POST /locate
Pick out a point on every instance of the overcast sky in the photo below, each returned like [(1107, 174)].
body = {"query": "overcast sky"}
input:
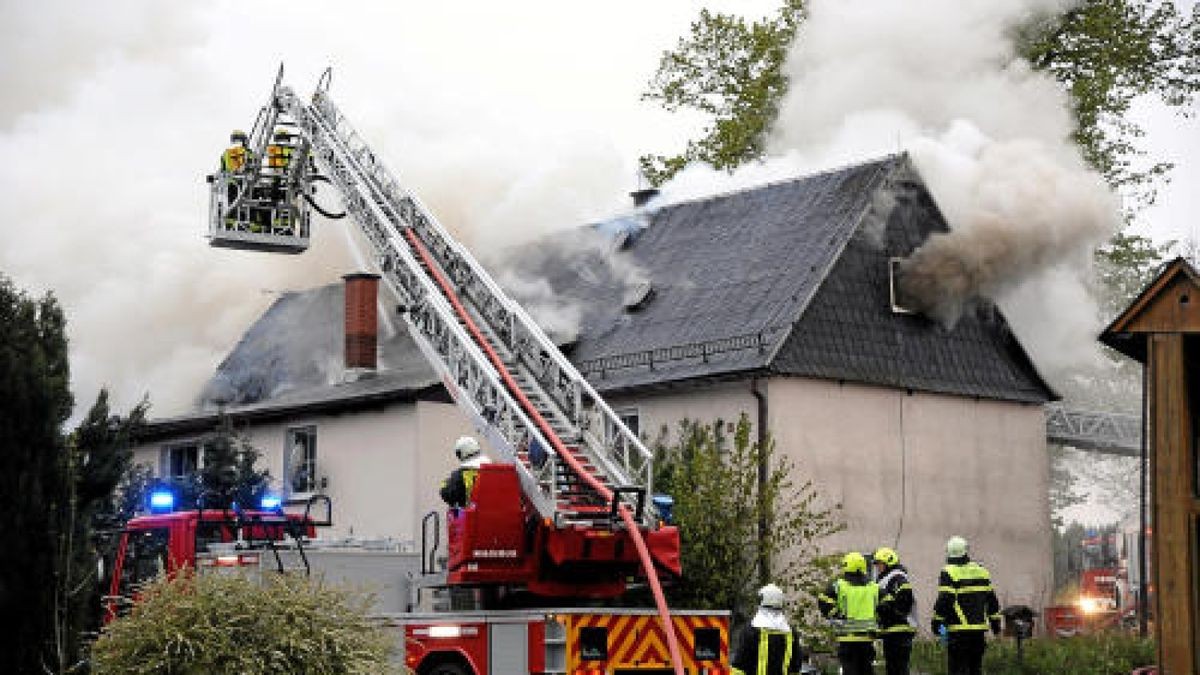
[(506, 118)]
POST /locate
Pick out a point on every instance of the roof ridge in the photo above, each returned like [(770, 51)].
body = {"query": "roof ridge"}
[(777, 182)]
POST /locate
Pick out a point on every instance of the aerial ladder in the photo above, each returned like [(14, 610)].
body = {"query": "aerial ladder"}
[(564, 513)]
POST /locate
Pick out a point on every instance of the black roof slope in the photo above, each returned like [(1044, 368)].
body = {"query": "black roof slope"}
[(789, 278), (296, 346)]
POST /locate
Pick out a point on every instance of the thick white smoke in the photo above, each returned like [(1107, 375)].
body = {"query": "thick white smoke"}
[(113, 113), (940, 79)]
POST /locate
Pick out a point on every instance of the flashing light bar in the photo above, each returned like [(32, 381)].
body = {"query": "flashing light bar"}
[(270, 502), (162, 500)]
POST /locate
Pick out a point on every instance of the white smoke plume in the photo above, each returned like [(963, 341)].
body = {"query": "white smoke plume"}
[(113, 113), (941, 80)]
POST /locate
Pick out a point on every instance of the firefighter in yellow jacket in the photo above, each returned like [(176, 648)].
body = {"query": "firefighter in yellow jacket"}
[(966, 608), (768, 646), (456, 489), (850, 602)]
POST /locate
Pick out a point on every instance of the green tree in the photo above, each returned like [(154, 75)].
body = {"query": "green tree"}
[(235, 624), (714, 478), (227, 474), (98, 454), (35, 401), (1106, 53)]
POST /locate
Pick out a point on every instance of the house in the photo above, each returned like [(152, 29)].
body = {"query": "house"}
[(776, 302)]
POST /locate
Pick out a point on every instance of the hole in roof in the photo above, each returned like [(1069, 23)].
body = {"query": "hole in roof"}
[(899, 306), (1184, 299), (638, 296)]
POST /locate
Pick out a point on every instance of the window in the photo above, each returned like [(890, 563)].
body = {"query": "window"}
[(179, 460), (301, 464), (632, 421)]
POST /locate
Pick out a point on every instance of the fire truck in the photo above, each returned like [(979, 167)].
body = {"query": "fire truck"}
[(557, 528)]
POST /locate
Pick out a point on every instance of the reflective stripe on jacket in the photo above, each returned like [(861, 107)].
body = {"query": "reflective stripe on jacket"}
[(853, 602), (966, 600), (279, 156), (763, 651)]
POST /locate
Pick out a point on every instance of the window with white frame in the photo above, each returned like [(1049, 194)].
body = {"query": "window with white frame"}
[(179, 460), (301, 459)]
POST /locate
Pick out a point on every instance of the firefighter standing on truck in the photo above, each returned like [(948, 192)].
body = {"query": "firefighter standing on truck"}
[(768, 646), (897, 610), (456, 489), (850, 602), (966, 608)]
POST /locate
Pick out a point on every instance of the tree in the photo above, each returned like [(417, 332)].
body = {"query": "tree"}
[(227, 474), (234, 624), (98, 454), (1106, 53), (714, 479), (35, 402)]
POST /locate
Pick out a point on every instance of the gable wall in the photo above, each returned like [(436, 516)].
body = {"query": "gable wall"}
[(977, 468)]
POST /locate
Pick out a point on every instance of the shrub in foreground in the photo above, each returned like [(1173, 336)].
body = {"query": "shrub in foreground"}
[(233, 624), (1097, 654)]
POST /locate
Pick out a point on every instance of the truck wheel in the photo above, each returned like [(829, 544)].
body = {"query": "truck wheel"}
[(449, 669)]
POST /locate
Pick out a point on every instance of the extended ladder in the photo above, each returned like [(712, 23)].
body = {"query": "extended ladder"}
[(577, 462)]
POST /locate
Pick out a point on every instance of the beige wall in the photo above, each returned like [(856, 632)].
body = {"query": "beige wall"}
[(909, 470), (384, 467)]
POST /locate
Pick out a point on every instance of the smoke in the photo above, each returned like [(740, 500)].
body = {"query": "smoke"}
[(991, 138), (113, 113)]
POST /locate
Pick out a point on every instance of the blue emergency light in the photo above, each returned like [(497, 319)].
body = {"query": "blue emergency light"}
[(270, 502), (162, 500)]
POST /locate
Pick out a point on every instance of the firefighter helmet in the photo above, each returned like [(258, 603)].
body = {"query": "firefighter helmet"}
[(238, 136), (956, 547), (770, 596), (282, 135), (465, 448), (854, 563), (886, 556)]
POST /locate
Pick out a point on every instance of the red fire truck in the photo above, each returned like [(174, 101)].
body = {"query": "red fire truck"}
[(556, 528)]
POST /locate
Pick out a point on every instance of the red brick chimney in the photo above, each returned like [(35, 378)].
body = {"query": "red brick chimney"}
[(362, 320)]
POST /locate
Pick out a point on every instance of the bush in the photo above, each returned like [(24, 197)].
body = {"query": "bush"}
[(234, 624), (1097, 654)]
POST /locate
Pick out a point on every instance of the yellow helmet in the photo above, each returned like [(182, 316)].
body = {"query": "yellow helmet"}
[(886, 556), (854, 562)]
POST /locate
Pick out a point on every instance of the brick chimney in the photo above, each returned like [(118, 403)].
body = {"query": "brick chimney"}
[(362, 320)]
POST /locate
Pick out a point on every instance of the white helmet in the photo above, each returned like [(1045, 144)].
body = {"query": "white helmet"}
[(466, 447), (956, 547), (770, 596)]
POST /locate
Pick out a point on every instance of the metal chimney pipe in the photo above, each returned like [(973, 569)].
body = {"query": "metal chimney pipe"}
[(362, 320)]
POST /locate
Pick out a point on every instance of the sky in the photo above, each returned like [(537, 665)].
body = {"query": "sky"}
[(507, 119)]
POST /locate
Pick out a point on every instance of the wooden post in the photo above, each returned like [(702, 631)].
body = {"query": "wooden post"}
[(1174, 532)]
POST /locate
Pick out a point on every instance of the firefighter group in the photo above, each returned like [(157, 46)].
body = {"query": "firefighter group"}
[(863, 607)]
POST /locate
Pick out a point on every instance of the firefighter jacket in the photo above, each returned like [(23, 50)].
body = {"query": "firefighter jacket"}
[(456, 489), (767, 650), (965, 600), (897, 607), (233, 160), (279, 156), (851, 601)]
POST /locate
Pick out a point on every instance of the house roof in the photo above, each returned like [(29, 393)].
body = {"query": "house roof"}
[(789, 278)]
